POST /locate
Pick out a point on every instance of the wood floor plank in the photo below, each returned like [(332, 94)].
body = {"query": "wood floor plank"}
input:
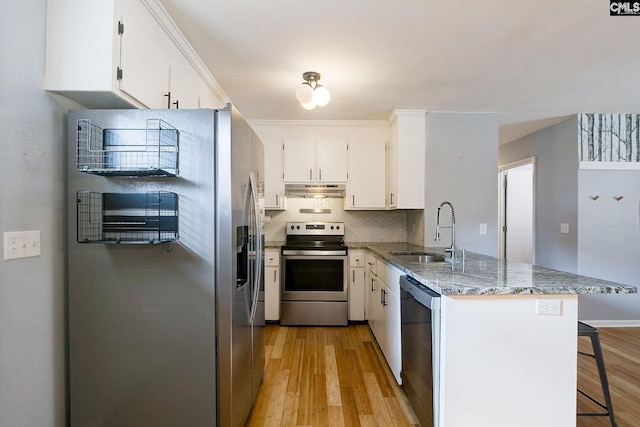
[(289, 410), (347, 367), (368, 421), (280, 340), (350, 412), (378, 368), (319, 407), (333, 381), (295, 365), (377, 399), (336, 417), (305, 389), (276, 400)]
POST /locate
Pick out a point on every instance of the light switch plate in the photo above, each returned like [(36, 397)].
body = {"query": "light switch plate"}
[(483, 228), (564, 228), (21, 244)]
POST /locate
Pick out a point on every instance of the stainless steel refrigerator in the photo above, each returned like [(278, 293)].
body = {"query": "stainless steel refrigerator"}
[(165, 267)]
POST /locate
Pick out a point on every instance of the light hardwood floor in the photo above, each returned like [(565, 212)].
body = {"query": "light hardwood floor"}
[(327, 376), (332, 376), (621, 350)]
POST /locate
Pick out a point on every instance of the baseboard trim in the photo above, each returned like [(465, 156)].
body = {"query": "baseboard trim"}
[(613, 323)]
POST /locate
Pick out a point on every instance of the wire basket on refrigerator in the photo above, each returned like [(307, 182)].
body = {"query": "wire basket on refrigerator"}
[(134, 218), (127, 152)]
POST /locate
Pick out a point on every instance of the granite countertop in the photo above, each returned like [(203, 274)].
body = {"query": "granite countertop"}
[(485, 275)]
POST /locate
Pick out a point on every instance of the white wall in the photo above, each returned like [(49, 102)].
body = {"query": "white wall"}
[(462, 168), (556, 184), (32, 339), (609, 241)]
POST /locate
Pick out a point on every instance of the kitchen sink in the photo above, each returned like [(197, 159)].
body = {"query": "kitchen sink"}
[(421, 257)]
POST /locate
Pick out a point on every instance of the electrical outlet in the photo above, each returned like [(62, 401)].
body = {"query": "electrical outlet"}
[(21, 244), (483, 228), (549, 307), (564, 228)]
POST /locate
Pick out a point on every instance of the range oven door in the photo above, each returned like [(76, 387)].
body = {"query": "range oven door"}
[(314, 278)]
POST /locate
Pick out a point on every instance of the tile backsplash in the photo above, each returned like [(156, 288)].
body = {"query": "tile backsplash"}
[(415, 227), (360, 226)]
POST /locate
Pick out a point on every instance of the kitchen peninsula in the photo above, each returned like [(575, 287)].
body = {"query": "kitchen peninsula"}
[(504, 360)]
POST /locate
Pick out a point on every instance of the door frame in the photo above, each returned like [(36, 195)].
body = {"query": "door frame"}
[(502, 204)]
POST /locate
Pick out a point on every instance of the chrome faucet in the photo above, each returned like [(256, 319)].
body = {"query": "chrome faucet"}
[(452, 248)]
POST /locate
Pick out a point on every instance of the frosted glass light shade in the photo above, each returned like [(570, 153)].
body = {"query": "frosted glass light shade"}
[(304, 93), (321, 96), (308, 105)]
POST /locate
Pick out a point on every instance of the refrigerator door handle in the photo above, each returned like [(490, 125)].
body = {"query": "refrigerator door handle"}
[(258, 244)]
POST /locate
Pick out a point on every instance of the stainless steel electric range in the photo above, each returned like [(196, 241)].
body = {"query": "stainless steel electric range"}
[(314, 275)]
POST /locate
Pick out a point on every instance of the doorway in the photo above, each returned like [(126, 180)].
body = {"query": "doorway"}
[(517, 217)]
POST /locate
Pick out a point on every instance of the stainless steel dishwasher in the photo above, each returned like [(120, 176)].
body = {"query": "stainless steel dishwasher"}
[(420, 327)]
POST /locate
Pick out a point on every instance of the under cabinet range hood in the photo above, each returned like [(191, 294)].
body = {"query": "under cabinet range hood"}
[(315, 190)]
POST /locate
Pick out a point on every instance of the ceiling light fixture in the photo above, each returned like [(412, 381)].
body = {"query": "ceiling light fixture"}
[(311, 94)]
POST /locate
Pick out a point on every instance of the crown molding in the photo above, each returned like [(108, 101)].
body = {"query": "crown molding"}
[(363, 123)]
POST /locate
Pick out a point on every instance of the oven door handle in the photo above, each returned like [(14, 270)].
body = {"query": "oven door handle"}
[(313, 253)]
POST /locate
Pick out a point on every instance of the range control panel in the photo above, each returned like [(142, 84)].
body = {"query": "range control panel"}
[(315, 228)]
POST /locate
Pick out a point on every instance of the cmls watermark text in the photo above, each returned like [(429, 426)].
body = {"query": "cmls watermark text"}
[(622, 8)]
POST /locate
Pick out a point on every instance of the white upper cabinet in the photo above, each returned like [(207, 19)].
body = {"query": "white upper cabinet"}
[(183, 82), (331, 161), (299, 161), (274, 185), (208, 98), (145, 55), (406, 160), (314, 162), (392, 178), (367, 165), (117, 54)]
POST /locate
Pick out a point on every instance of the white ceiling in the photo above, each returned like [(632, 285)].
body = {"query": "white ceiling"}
[(533, 62)]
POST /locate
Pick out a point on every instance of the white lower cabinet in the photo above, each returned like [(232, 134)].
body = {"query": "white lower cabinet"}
[(384, 312), (356, 285), (369, 284), (390, 328), (272, 284)]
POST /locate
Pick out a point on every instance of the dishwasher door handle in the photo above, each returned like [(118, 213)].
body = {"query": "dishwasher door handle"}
[(421, 293)]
